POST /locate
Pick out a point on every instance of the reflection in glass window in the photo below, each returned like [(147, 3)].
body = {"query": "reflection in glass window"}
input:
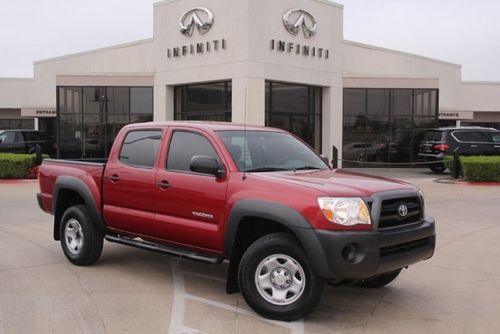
[(268, 151), (204, 102), (386, 125), (184, 146), (90, 117), (140, 147), (295, 108), (141, 100)]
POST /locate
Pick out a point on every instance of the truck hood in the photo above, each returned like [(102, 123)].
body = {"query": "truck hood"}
[(338, 182)]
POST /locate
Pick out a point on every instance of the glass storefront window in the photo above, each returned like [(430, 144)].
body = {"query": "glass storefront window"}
[(386, 125), (295, 108), (204, 102), (90, 117), (6, 124)]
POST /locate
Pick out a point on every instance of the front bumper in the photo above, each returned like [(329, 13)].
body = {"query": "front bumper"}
[(358, 255)]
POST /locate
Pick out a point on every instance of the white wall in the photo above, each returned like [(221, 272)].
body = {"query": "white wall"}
[(368, 61), (480, 96), (137, 57), (16, 93)]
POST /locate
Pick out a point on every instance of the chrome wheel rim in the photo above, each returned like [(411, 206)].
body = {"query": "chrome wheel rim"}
[(280, 279), (73, 234)]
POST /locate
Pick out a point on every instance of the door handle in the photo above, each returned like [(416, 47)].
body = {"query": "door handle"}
[(114, 178), (163, 184)]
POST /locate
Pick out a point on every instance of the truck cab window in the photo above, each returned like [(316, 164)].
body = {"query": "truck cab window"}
[(185, 145), (140, 147)]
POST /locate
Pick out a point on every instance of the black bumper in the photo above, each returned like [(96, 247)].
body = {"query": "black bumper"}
[(427, 157), (357, 255)]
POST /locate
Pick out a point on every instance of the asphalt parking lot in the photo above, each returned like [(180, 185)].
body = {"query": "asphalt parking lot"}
[(131, 290)]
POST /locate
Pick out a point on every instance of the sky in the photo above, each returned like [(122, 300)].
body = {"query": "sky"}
[(457, 31)]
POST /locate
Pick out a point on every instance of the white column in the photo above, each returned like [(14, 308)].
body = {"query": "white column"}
[(163, 109), (332, 121), (254, 106)]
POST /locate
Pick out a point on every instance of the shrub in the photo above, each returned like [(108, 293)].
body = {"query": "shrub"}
[(480, 168), (18, 166)]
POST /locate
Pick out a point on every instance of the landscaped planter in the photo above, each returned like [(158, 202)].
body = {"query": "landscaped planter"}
[(18, 166)]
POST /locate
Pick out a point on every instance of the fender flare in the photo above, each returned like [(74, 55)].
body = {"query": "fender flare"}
[(281, 214), (78, 186)]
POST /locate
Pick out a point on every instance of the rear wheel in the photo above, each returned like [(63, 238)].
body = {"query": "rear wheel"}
[(81, 240), (379, 280), (438, 168), (276, 279)]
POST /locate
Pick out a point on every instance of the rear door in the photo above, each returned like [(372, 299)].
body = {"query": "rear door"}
[(190, 206), (128, 183)]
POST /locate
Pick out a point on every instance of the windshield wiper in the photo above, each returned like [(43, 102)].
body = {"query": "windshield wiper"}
[(307, 167), (266, 169)]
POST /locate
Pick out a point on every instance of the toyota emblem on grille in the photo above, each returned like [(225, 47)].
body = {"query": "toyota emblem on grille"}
[(199, 17), (294, 19), (402, 210)]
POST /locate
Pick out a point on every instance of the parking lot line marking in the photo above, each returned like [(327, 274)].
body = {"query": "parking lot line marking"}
[(180, 296), (178, 305), (296, 327)]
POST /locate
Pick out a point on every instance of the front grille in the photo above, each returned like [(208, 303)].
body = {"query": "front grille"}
[(404, 247), (389, 212)]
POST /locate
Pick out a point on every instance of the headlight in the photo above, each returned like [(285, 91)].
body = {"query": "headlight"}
[(347, 211), (422, 198)]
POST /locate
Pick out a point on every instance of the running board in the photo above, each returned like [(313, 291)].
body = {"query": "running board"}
[(139, 243)]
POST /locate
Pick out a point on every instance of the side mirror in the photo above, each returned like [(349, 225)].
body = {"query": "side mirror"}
[(206, 165), (1, 140)]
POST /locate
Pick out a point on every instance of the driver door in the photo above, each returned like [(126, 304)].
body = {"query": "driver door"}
[(189, 206)]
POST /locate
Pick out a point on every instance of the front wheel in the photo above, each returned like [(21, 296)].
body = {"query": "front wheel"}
[(379, 280), (81, 240), (276, 279)]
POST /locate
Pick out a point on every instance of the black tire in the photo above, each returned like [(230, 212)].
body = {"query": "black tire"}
[(276, 245), (379, 280), (79, 225), (438, 168)]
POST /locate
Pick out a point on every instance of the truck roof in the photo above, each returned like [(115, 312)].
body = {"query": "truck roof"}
[(206, 125)]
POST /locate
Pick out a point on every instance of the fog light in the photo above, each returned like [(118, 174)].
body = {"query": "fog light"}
[(349, 253)]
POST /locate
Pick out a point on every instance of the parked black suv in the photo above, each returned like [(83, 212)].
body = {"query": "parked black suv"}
[(468, 140), (25, 141)]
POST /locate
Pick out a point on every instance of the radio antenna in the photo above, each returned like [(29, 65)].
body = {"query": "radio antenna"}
[(244, 176)]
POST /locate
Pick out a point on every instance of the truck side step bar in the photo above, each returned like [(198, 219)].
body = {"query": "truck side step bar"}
[(139, 243)]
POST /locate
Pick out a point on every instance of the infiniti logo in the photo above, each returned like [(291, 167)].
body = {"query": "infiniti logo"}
[(199, 17), (402, 210), (293, 19)]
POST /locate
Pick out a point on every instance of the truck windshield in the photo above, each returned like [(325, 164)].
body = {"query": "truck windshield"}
[(266, 151)]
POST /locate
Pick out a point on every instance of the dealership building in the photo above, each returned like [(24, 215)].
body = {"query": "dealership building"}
[(280, 63)]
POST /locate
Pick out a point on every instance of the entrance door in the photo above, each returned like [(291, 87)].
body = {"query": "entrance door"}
[(190, 206)]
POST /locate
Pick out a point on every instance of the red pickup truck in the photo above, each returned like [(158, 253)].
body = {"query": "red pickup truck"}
[(257, 197)]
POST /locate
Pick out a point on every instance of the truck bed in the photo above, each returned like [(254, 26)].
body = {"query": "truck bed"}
[(89, 171)]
